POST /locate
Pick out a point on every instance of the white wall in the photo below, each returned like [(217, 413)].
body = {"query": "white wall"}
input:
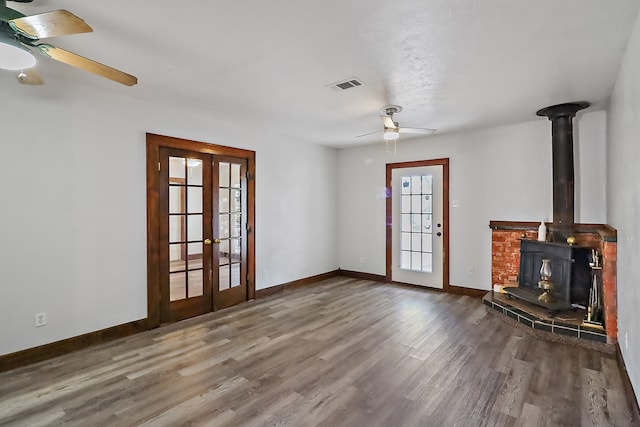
[(73, 206), (623, 200), (500, 173)]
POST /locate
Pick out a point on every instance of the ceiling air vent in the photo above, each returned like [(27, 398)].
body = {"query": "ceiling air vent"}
[(346, 84)]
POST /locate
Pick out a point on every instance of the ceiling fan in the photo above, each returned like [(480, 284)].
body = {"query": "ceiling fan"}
[(20, 35), (391, 130)]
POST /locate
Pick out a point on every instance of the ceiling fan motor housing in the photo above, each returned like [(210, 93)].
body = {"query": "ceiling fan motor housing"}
[(390, 110)]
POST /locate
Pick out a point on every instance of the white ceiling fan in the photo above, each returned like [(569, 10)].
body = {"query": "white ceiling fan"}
[(391, 130)]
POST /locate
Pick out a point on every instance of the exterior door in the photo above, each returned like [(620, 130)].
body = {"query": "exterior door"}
[(418, 228), (200, 223)]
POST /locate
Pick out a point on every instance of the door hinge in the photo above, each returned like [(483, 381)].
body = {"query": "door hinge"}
[(249, 229), (158, 166), (250, 176)]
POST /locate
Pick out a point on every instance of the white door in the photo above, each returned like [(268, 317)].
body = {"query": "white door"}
[(417, 226)]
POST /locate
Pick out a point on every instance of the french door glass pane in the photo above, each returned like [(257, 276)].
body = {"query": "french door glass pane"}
[(427, 243), (235, 175), (195, 283), (177, 168), (235, 250), (405, 260), (416, 242), (195, 256), (426, 223), (406, 222), (224, 278), (427, 203), (416, 206), (194, 172), (177, 286), (176, 257), (416, 261), (235, 275), (427, 263), (176, 199), (415, 184), (236, 201), (224, 226), (235, 225), (406, 203), (194, 227), (224, 174), (224, 252), (427, 184), (406, 185), (405, 242), (194, 197), (176, 228), (224, 200)]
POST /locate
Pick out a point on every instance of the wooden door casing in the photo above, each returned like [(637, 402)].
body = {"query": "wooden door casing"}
[(444, 162), (154, 143)]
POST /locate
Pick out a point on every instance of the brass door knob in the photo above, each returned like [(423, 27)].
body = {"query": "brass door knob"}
[(216, 241), (207, 241)]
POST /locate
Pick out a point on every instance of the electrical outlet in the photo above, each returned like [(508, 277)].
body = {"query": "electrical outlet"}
[(626, 340), (470, 271), (361, 260), (41, 319), (455, 204), (265, 274)]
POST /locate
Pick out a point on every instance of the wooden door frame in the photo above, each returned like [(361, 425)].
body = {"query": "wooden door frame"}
[(444, 162), (154, 143)]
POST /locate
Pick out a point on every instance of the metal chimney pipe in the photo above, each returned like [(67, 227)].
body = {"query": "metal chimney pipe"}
[(561, 117)]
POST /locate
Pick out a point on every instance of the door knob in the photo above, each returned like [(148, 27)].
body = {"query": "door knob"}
[(216, 241), (207, 241)]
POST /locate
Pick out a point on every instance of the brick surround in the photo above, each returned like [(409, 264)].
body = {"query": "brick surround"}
[(505, 258)]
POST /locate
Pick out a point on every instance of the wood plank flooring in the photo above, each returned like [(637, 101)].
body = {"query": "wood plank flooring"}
[(344, 352)]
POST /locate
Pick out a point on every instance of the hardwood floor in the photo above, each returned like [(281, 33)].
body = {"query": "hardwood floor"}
[(344, 352)]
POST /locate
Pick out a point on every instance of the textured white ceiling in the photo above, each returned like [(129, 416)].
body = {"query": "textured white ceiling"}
[(452, 64)]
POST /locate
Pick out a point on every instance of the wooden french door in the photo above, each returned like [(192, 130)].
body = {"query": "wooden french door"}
[(186, 227), (200, 219)]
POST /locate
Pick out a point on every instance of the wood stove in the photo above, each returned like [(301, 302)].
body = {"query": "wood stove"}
[(569, 280), (570, 277)]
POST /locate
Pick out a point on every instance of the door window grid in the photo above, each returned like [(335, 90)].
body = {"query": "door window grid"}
[(416, 210), (230, 225), (185, 228)]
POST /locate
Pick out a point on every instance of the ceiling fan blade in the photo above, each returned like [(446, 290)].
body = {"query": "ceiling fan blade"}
[(50, 24), (368, 133), (388, 122), (86, 64), (30, 77), (422, 131)]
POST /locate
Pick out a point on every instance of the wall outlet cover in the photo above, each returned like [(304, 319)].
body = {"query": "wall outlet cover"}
[(41, 319)]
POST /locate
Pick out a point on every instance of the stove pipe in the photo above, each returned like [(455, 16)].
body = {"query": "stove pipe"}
[(561, 116)]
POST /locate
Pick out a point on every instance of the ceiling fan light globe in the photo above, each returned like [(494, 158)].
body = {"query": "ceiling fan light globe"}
[(15, 58), (390, 134)]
